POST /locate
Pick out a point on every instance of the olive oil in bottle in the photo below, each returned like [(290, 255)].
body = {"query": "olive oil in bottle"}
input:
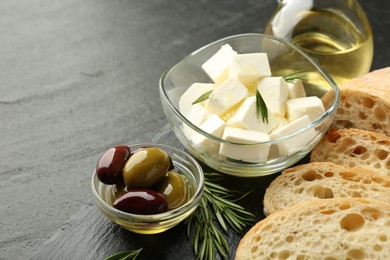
[(335, 38), (342, 50)]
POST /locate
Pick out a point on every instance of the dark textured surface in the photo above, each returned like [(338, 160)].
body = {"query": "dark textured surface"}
[(90, 235), (77, 77)]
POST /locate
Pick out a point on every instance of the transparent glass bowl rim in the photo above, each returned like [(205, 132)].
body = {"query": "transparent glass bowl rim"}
[(161, 216), (276, 140)]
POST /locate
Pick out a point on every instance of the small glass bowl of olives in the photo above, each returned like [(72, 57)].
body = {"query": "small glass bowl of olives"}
[(147, 188)]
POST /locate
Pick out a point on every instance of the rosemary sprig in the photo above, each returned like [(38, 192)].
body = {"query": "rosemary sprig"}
[(217, 208), (204, 96), (296, 75), (261, 107), (128, 255)]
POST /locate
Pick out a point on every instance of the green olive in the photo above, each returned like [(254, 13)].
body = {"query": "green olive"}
[(174, 189), (145, 167)]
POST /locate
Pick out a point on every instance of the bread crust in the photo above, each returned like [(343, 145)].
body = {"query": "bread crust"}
[(324, 180), (375, 83), (354, 148), (365, 103), (339, 228)]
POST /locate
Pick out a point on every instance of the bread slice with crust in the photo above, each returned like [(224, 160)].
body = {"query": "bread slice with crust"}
[(340, 228), (354, 148), (365, 103), (324, 180)]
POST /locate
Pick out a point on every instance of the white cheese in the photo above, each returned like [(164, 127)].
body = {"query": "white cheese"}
[(298, 107), (245, 117), (191, 94), (196, 116), (249, 68), (296, 89), (213, 125), (217, 67), (274, 91), (225, 96), (237, 77), (248, 153), (281, 121), (296, 143), (273, 152)]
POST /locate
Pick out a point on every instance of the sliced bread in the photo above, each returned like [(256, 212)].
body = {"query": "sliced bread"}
[(365, 103), (354, 148), (340, 228), (324, 180)]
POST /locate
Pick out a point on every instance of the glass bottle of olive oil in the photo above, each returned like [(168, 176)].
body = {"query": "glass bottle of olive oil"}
[(335, 33)]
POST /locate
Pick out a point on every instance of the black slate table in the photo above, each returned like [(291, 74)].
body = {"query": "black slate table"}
[(77, 77)]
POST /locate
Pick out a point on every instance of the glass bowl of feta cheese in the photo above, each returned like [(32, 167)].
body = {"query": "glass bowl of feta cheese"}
[(249, 105)]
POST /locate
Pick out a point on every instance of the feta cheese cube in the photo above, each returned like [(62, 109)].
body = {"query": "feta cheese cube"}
[(196, 116), (296, 89), (282, 121), (217, 67), (257, 153), (249, 68), (225, 96), (245, 117), (296, 143), (298, 107), (274, 91), (191, 94), (213, 125)]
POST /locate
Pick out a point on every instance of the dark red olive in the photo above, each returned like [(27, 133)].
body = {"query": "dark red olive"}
[(141, 201), (109, 169)]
